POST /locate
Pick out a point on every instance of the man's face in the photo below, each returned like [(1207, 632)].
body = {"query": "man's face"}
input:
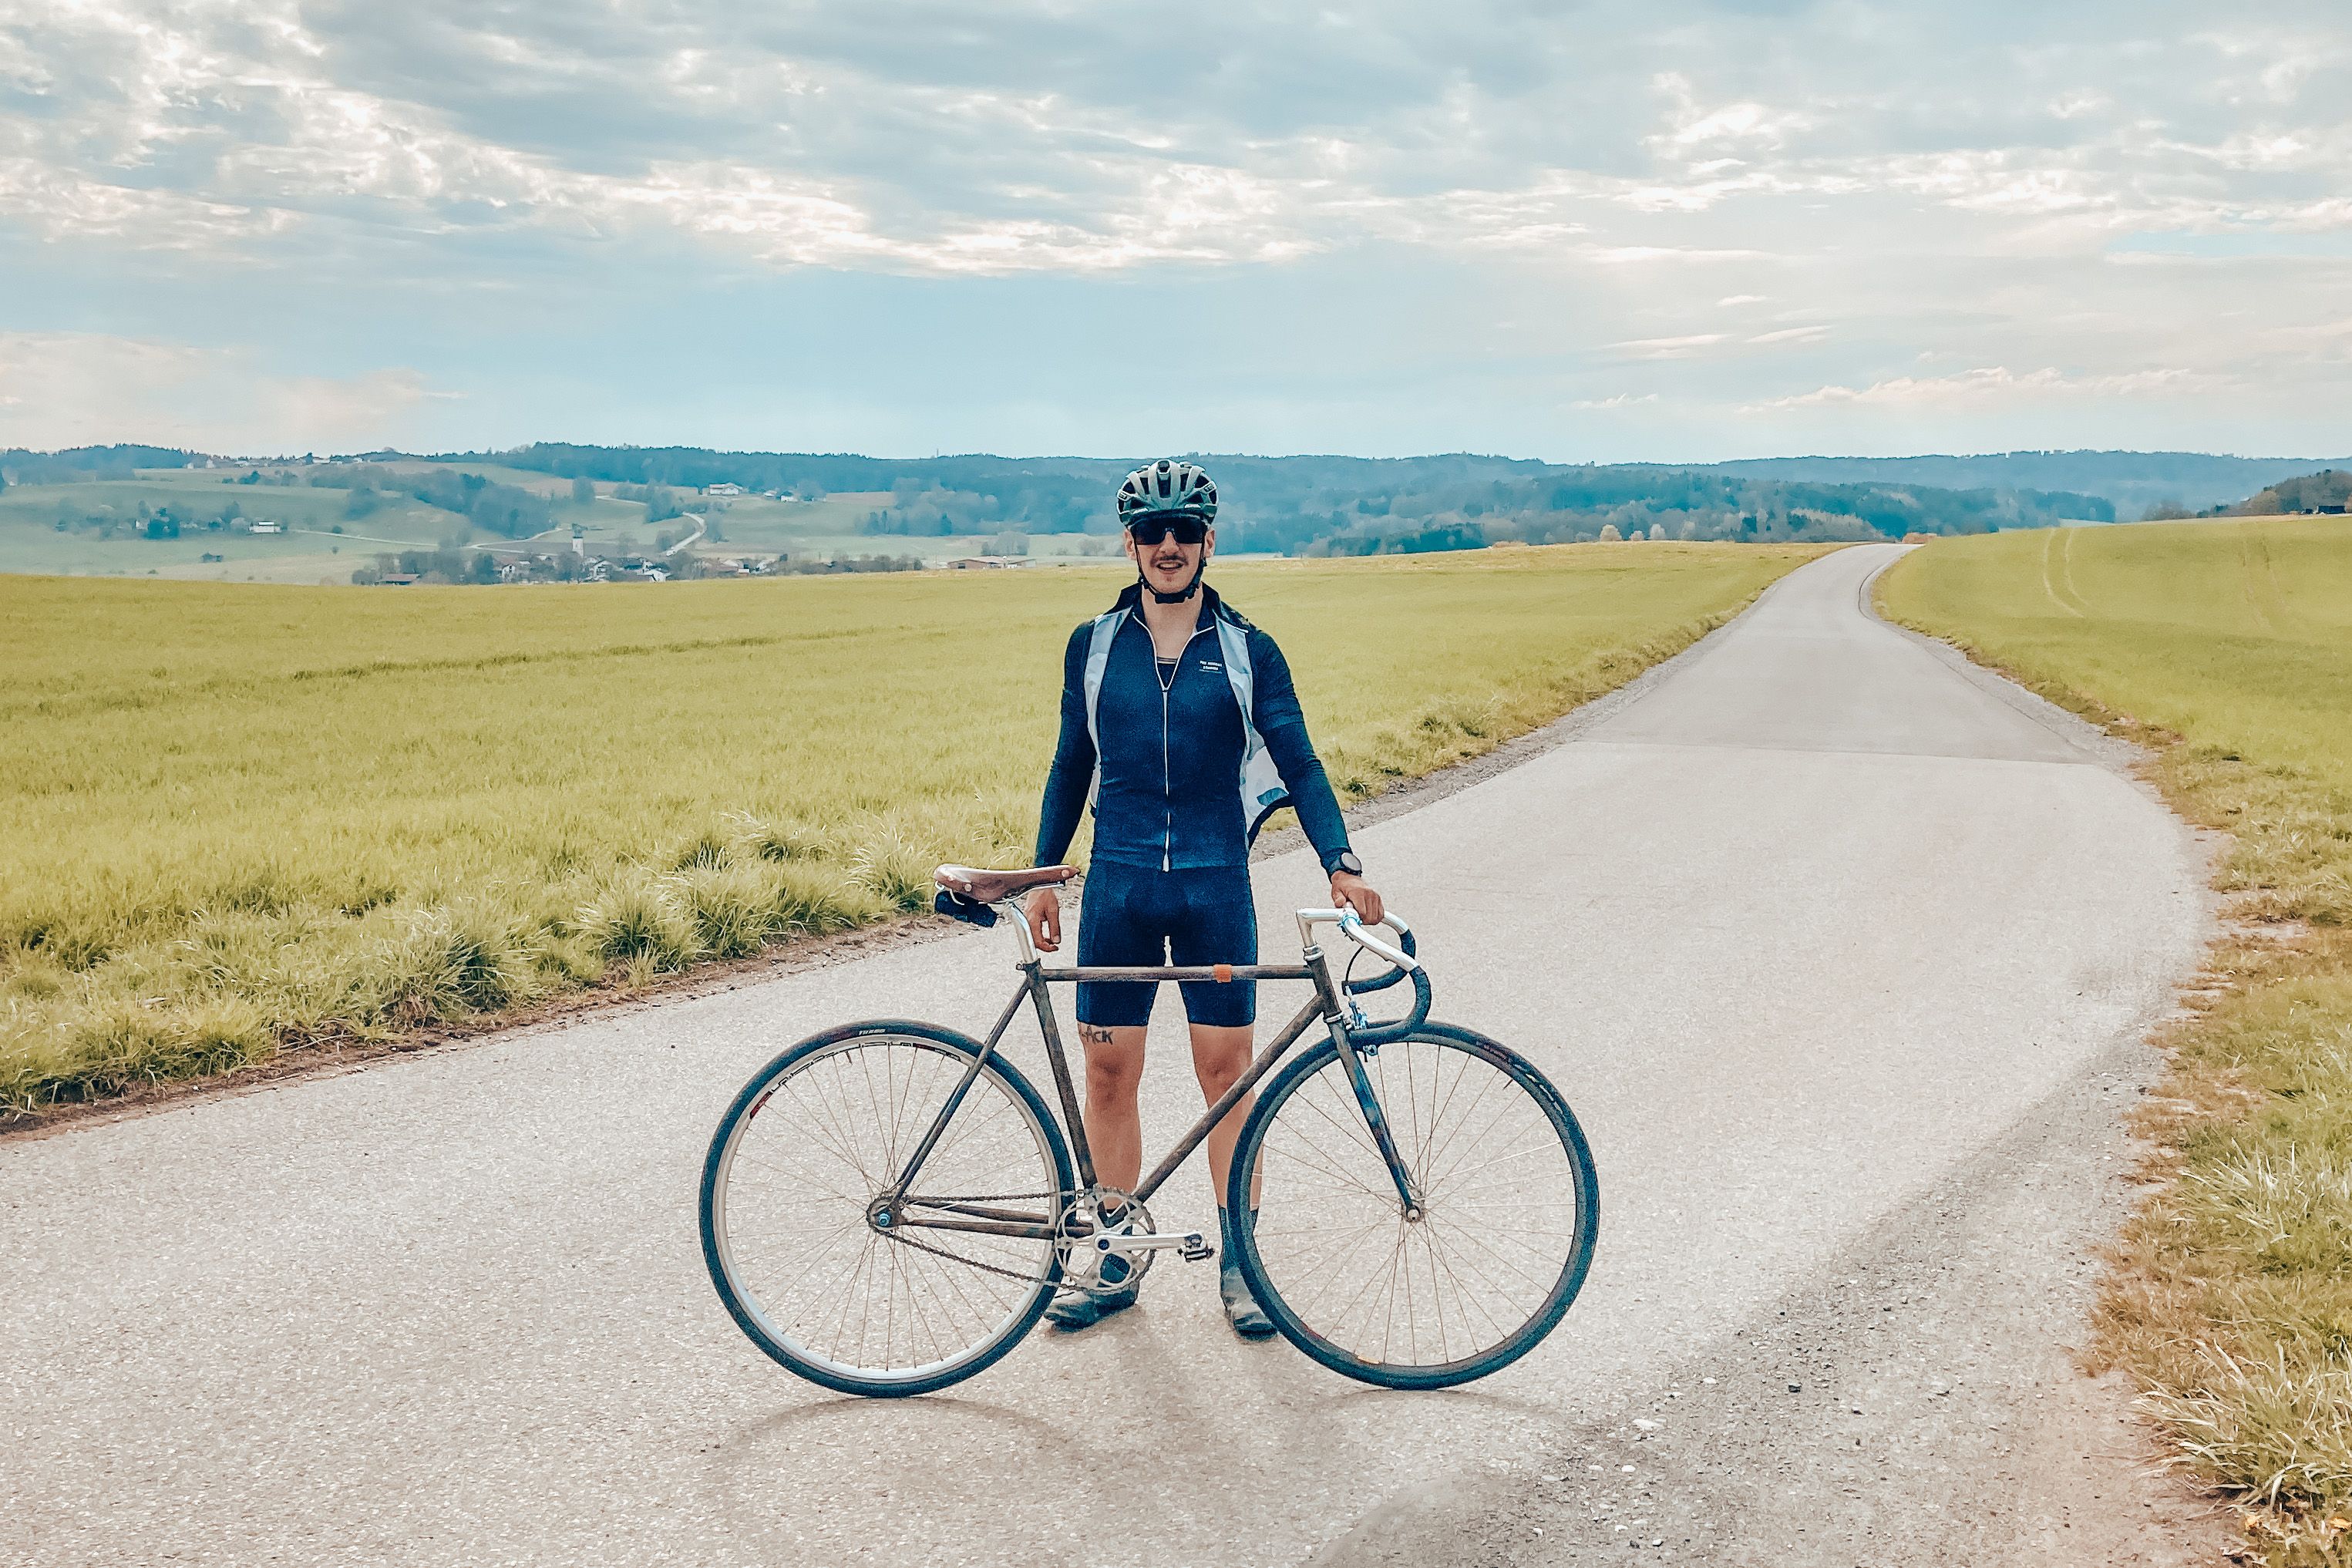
[(1168, 565)]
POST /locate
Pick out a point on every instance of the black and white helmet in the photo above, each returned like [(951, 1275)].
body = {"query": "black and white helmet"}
[(1166, 485)]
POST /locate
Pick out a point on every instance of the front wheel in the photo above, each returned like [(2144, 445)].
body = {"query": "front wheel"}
[(842, 1285), (1504, 1231)]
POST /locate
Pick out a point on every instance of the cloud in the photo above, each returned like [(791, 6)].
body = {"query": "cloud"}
[(1997, 385), (66, 389), (1668, 348), (1030, 136), (1502, 198)]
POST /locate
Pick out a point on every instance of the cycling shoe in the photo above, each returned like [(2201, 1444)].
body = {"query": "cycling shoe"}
[(1242, 1310), (1075, 1309)]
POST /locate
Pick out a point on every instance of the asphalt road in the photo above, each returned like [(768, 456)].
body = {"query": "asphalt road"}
[(1839, 951)]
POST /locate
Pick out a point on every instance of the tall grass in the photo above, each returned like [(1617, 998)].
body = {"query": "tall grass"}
[(233, 818), (2228, 648)]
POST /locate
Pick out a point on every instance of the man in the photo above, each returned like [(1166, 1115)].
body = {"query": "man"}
[(1178, 716)]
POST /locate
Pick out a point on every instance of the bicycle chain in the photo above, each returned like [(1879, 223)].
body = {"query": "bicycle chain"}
[(905, 1240), (902, 1238)]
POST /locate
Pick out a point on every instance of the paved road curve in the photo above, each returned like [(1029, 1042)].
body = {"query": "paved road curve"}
[(1836, 949)]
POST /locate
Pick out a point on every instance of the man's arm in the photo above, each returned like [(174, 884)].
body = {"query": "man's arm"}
[(1282, 724), (1073, 773)]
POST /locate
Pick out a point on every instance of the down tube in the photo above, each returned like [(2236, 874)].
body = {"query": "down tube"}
[(1227, 1101), (955, 1098)]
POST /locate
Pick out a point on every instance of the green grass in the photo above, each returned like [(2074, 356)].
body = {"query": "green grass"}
[(234, 819), (2228, 648)]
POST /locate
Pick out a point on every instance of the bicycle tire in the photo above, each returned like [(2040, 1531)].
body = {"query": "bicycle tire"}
[(1359, 1179), (999, 1089)]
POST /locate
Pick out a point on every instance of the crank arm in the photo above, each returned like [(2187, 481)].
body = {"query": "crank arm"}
[(1189, 1244)]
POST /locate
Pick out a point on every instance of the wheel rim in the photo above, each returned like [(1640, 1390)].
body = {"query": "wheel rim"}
[(1498, 1229), (793, 1200)]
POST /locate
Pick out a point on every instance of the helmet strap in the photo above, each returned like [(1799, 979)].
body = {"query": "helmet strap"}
[(1179, 596), (1189, 590)]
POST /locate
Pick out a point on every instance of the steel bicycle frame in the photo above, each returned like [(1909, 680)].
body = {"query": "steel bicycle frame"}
[(899, 1203)]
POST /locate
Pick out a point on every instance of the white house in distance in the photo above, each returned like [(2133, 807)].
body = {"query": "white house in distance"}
[(723, 488), (264, 526)]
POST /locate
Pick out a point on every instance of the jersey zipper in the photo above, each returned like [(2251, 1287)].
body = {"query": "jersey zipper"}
[(1167, 768)]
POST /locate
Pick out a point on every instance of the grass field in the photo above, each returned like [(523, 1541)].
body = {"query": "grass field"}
[(233, 818), (2228, 648)]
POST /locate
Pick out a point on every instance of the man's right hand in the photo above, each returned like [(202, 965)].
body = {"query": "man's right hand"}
[(1044, 911)]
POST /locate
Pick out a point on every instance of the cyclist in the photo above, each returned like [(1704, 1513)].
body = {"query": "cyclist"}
[(1178, 721)]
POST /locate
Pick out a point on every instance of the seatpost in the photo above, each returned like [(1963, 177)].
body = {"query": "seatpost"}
[(1030, 957)]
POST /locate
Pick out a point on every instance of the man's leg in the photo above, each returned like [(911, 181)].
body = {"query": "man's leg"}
[(1221, 927), (1114, 1118), (1115, 1135), (1111, 1019), (1219, 1055)]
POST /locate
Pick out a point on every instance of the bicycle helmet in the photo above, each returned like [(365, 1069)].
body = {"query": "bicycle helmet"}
[(1169, 485)]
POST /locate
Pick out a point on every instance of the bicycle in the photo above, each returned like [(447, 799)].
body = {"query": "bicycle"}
[(887, 1207)]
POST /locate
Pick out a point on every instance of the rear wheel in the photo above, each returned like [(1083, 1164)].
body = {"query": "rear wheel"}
[(1508, 1211), (851, 1294)]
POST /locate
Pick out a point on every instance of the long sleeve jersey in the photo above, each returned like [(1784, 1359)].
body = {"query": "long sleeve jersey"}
[(1165, 782)]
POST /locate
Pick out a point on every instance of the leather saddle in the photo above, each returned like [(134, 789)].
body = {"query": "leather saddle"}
[(965, 893)]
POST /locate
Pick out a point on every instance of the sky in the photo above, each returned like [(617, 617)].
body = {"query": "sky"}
[(1583, 233)]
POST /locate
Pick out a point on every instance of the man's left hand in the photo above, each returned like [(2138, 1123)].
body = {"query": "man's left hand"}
[(1352, 890)]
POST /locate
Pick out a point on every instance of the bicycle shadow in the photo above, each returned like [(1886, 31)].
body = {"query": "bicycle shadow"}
[(934, 1461), (1300, 1418)]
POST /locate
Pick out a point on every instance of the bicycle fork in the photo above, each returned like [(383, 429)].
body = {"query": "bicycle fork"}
[(1408, 1191)]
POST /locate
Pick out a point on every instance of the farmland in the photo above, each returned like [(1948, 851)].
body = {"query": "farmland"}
[(237, 818), (197, 524), (2226, 647)]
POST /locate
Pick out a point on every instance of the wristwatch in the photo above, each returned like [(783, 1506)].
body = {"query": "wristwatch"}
[(1345, 861)]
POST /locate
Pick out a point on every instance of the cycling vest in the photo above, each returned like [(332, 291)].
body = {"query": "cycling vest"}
[(1260, 781)]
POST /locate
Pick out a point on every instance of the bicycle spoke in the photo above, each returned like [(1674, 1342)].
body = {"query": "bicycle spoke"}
[(1500, 1216), (832, 1135)]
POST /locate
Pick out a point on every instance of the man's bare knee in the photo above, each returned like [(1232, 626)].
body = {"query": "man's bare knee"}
[(1112, 1062), (1219, 1057)]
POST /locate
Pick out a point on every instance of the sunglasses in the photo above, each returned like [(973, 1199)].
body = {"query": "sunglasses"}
[(1149, 530)]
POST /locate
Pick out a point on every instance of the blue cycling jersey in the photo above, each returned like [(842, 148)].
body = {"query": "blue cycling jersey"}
[(1166, 779)]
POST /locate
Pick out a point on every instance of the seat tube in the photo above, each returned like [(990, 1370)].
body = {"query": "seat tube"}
[(1073, 1113)]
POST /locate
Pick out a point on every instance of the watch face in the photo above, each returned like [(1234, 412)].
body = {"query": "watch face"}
[(1349, 864)]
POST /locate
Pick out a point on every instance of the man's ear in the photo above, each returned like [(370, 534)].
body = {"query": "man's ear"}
[(1208, 543)]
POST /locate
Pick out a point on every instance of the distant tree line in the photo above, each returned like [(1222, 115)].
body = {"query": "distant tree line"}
[(2330, 489), (147, 522), (509, 510), (1320, 505), (71, 464), (1297, 505), (447, 564)]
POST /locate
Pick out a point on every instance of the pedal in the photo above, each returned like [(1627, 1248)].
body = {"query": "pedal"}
[(1195, 1250)]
